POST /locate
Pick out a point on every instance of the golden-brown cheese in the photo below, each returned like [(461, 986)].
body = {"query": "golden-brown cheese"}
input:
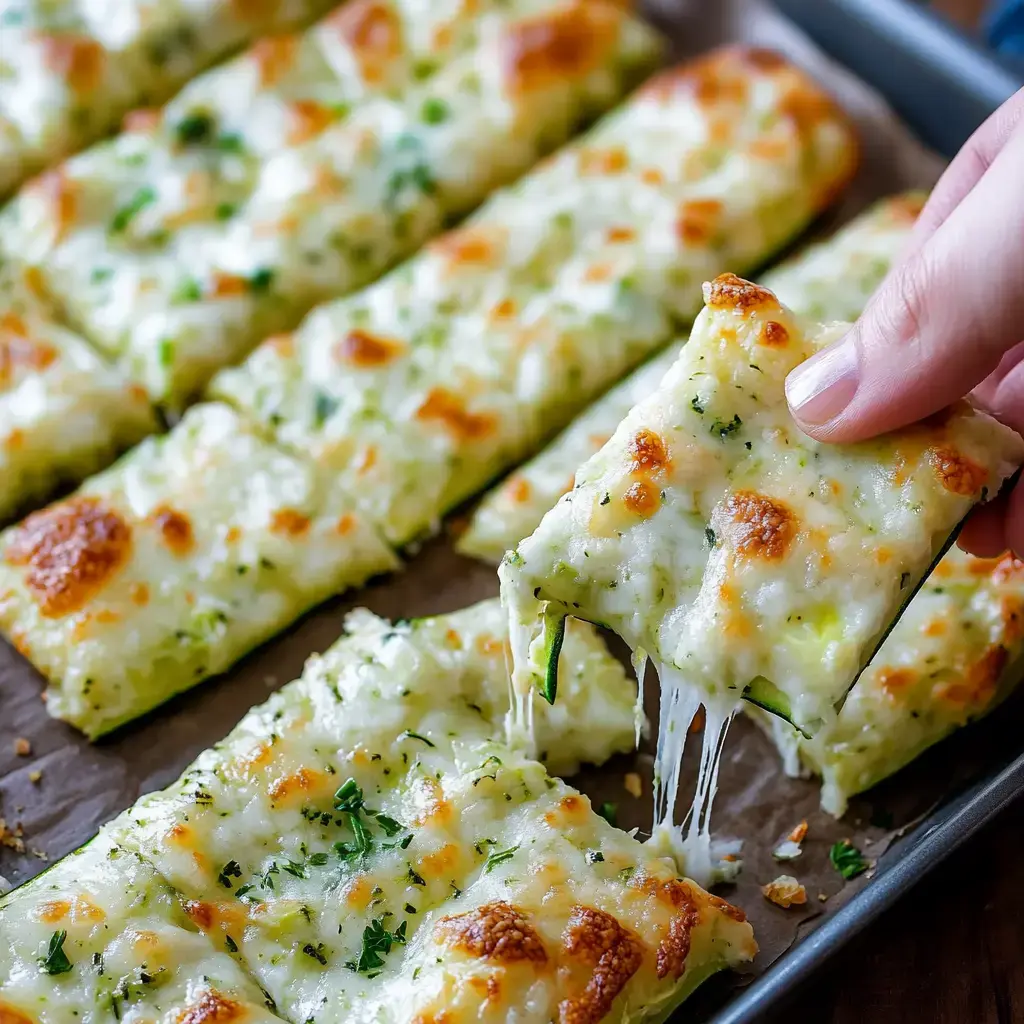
[(211, 1008), (176, 529), (364, 350), (494, 931), (614, 953), (71, 550), (756, 526), (374, 33), (568, 42), (728, 291), (290, 522), (9, 1015), (79, 60), (443, 407), (956, 472), (698, 221), (773, 334)]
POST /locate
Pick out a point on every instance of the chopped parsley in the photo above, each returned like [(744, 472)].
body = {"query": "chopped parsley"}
[(318, 860), (377, 943), (317, 952), (362, 841), (415, 877), (389, 826), (324, 407), (230, 870), (499, 858), (225, 211), (261, 280), (709, 536), (192, 128), (610, 813), (348, 797), (725, 430), (410, 735), (847, 859), (435, 111), (56, 960), (230, 142), (696, 406), (188, 291), (232, 946), (123, 217)]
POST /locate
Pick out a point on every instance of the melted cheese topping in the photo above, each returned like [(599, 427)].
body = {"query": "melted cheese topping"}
[(289, 176), (417, 391), (63, 412), (713, 535), (950, 659), (71, 70), (168, 567), (509, 895), (134, 955), (831, 281)]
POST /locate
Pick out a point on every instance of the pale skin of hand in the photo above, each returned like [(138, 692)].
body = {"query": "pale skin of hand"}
[(947, 322)]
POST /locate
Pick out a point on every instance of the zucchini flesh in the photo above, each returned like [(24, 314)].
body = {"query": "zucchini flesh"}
[(763, 693), (554, 635)]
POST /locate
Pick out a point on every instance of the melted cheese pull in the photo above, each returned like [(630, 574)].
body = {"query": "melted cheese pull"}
[(830, 281), (71, 70), (305, 167), (745, 559), (952, 657), (171, 565), (416, 392)]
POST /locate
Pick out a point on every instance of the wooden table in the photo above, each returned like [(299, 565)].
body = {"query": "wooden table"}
[(952, 952)]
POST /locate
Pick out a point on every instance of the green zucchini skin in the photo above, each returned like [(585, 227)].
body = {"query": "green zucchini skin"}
[(554, 636)]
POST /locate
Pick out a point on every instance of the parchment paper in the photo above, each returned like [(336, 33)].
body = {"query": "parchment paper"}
[(82, 785)]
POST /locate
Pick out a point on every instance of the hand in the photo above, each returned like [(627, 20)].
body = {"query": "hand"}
[(947, 322)]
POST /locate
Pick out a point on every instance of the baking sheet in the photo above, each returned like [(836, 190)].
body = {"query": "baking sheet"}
[(58, 794)]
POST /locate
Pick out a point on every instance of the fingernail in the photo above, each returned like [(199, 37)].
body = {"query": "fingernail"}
[(822, 387)]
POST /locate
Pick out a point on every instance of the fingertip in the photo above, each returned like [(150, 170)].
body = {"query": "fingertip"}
[(984, 533), (1014, 521)]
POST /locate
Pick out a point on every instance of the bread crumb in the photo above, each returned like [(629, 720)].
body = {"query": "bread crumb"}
[(22, 747), (11, 838), (36, 776), (799, 833), (634, 784), (822, 897), (785, 892)]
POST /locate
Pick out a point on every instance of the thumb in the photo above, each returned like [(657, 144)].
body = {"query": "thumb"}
[(938, 326)]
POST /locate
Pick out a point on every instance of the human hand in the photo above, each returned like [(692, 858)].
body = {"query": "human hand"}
[(947, 322)]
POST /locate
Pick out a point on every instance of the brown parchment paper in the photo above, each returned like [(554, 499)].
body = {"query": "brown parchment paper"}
[(59, 793)]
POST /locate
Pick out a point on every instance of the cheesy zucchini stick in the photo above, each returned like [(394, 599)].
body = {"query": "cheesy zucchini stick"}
[(745, 559), (63, 411), (417, 391), (374, 855), (100, 936), (71, 70), (177, 246), (952, 657), (830, 281), (172, 564)]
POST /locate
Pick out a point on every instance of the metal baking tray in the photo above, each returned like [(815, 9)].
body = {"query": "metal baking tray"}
[(943, 85)]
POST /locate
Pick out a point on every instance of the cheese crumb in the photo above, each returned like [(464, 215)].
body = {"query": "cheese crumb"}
[(36, 776), (634, 784), (22, 747), (11, 838), (799, 834), (785, 891)]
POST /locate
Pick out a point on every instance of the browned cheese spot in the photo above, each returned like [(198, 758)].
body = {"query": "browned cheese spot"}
[(648, 453), (728, 291), (211, 1008), (374, 33), (956, 472), (494, 931), (566, 43), (18, 350), (614, 954), (446, 409), (10, 1015), (274, 57), (71, 550), (176, 529), (364, 350), (642, 499), (773, 334), (79, 60), (757, 526), (698, 221), (290, 522)]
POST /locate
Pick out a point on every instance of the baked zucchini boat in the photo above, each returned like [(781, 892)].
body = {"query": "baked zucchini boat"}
[(64, 413), (832, 280), (178, 245), (172, 564), (362, 848), (417, 391), (71, 70), (747, 560)]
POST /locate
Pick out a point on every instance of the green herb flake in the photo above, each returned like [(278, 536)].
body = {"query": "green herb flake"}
[(324, 407), (56, 960), (138, 202), (193, 128), (232, 946), (709, 536), (410, 735), (348, 797), (499, 858), (725, 430), (610, 813), (188, 291), (225, 211), (389, 826), (377, 943), (847, 859), (318, 860), (230, 870), (696, 406), (317, 952), (435, 111), (261, 280)]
